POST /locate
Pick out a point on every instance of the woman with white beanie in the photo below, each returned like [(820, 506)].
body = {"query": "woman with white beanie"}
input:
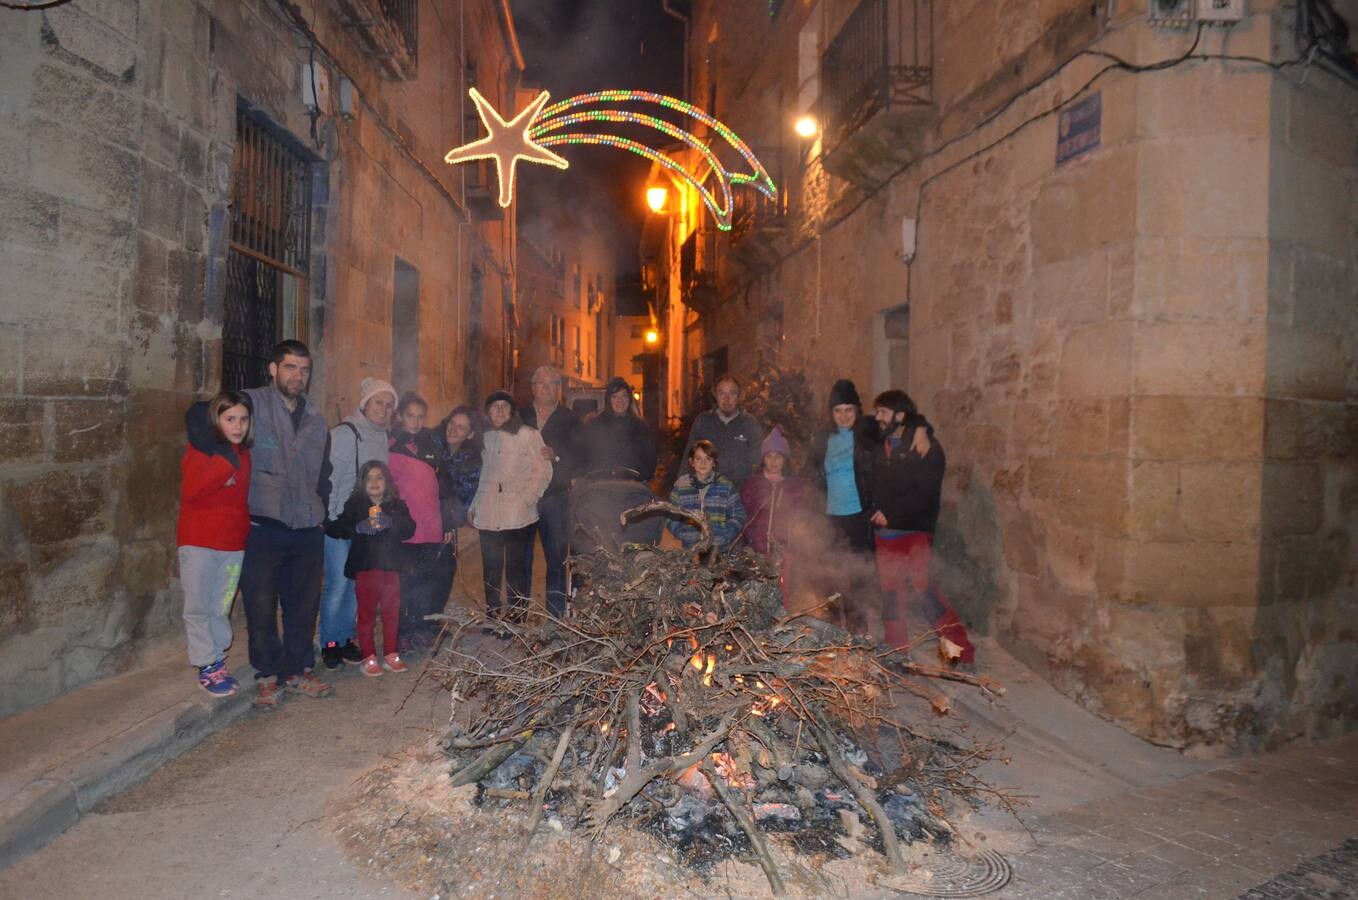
[(514, 476)]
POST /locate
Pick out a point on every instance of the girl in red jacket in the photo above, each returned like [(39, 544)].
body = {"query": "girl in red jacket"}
[(214, 520)]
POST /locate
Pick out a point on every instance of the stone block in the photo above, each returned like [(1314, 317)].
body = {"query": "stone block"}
[(1307, 365), (1084, 207), (155, 427), (150, 290), (1070, 557), (27, 217), (1154, 497), (1072, 291), (184, 90), (186, 282), (70, 97), (150, 359), (59, 505), (1320, 124), (1090, 493), (1085, 427), (21, 430), (87, 429), (14, 597), (91, 41), (1202, 279), (1188, 428), (1206, 102), (1199, 358), (11, 356), (1193, 186), (1293, 498), (146, 567), (188, 357), (74, 588), (1324, 294), (66, 363), (1310, 203), (160, 136), (1096, 361), (1192, 574), (1220, 501), (95, 237), (162, 202), (42, 287), (68, 164)]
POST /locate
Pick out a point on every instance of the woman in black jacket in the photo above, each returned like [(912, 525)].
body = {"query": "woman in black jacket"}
[(616, 437), (376, 520)]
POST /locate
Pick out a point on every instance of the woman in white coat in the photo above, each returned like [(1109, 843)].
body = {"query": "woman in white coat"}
[(515, 473)]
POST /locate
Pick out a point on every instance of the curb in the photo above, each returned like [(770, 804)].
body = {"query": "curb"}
[(45, 807)]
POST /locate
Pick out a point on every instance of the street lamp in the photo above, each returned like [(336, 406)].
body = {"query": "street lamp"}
[(806, 126), (656, 198), (652, 336)]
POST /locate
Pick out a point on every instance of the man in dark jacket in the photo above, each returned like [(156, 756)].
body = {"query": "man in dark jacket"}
[(560, 429), (617, 438), (289, 487), (907, 488), (736, 434)]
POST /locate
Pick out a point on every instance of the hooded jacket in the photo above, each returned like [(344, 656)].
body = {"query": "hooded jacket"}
[(353, 442), (612, 441), (414, 463), (513, 478), (215, 487), (906, 488), (290, 479)]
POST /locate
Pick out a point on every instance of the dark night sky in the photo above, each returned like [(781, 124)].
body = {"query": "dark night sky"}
[(575, 46)]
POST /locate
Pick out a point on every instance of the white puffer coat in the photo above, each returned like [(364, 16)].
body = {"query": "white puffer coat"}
[(514, 477)]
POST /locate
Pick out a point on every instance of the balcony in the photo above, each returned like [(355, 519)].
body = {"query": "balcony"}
[(388, 31), (758, 224), (877, 89), (483, 191)]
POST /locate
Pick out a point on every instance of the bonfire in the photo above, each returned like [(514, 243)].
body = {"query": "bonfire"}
[(681, 698)]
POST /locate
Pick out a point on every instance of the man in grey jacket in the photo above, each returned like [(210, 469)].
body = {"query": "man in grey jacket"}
[(289, 485), (735, 433), (358, 439)]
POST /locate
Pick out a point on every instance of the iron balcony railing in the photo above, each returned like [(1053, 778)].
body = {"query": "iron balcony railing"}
[(404, 17), (882, 58)]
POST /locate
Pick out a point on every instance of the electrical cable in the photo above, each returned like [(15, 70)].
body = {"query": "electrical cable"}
[(33, 7)]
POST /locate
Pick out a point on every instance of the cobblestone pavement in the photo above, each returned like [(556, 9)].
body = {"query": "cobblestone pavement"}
[(1213, 835)]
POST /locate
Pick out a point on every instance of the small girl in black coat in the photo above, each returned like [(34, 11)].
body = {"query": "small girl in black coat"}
[(377, 521)]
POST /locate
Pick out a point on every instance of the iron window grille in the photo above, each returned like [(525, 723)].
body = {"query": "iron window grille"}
[(268, 257), (882, 58)]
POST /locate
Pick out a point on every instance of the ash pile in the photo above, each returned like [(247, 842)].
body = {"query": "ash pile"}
[(681, 699)]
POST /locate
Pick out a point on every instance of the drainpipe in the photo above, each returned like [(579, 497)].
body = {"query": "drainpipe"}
[(665, 5)]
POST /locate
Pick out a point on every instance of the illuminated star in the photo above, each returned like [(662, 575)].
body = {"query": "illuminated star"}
[(506, 143)]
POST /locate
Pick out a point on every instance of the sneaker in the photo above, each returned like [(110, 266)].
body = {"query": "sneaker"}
[(331, 655), (266, 693), (310, 685), (392, 662), (351, 654), (214, 679), (371, 666)]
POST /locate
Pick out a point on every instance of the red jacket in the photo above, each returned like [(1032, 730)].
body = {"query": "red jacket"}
[(212, 512)]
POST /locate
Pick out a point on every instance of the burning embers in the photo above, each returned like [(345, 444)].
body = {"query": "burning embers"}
[(680, 700)]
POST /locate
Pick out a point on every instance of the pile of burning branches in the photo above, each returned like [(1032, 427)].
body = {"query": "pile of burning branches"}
[(679, 698)]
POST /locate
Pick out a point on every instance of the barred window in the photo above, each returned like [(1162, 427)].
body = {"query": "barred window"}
[(268, 260)]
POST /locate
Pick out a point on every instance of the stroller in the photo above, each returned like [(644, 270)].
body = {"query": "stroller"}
[(597, 502)]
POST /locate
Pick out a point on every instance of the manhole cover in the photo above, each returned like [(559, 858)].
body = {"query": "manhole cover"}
[(959, 876), (1329, 876)]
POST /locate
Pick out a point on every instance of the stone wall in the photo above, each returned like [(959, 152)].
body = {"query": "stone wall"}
[(117, 128), (1150, 431)]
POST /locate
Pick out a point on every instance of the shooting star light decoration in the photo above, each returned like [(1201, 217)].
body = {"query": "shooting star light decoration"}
[(528, 135)]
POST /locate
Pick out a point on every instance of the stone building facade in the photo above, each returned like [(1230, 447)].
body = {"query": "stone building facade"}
[(1140, 350), (181, 184)]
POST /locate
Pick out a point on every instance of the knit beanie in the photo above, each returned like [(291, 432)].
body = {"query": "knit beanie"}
[(497, 396), (775, 443), (371, 387), (843, 392)]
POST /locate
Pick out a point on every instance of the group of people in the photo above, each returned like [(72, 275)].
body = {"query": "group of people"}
[(342, 527), (876, 479)]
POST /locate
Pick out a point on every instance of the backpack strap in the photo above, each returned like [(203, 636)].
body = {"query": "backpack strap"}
[(354, 429)]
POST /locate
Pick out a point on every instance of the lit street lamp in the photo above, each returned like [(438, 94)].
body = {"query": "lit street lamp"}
[(656, 198), (806, 126), (652, 336)]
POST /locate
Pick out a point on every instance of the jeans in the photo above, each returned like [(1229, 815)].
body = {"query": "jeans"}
[(281, 570), (421, 578), (554, 530), (854, 545), (338, 603), (502, 554), (379, 592)]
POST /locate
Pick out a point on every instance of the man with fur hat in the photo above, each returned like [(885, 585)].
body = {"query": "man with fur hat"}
[(907, 488), (360, 438)]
